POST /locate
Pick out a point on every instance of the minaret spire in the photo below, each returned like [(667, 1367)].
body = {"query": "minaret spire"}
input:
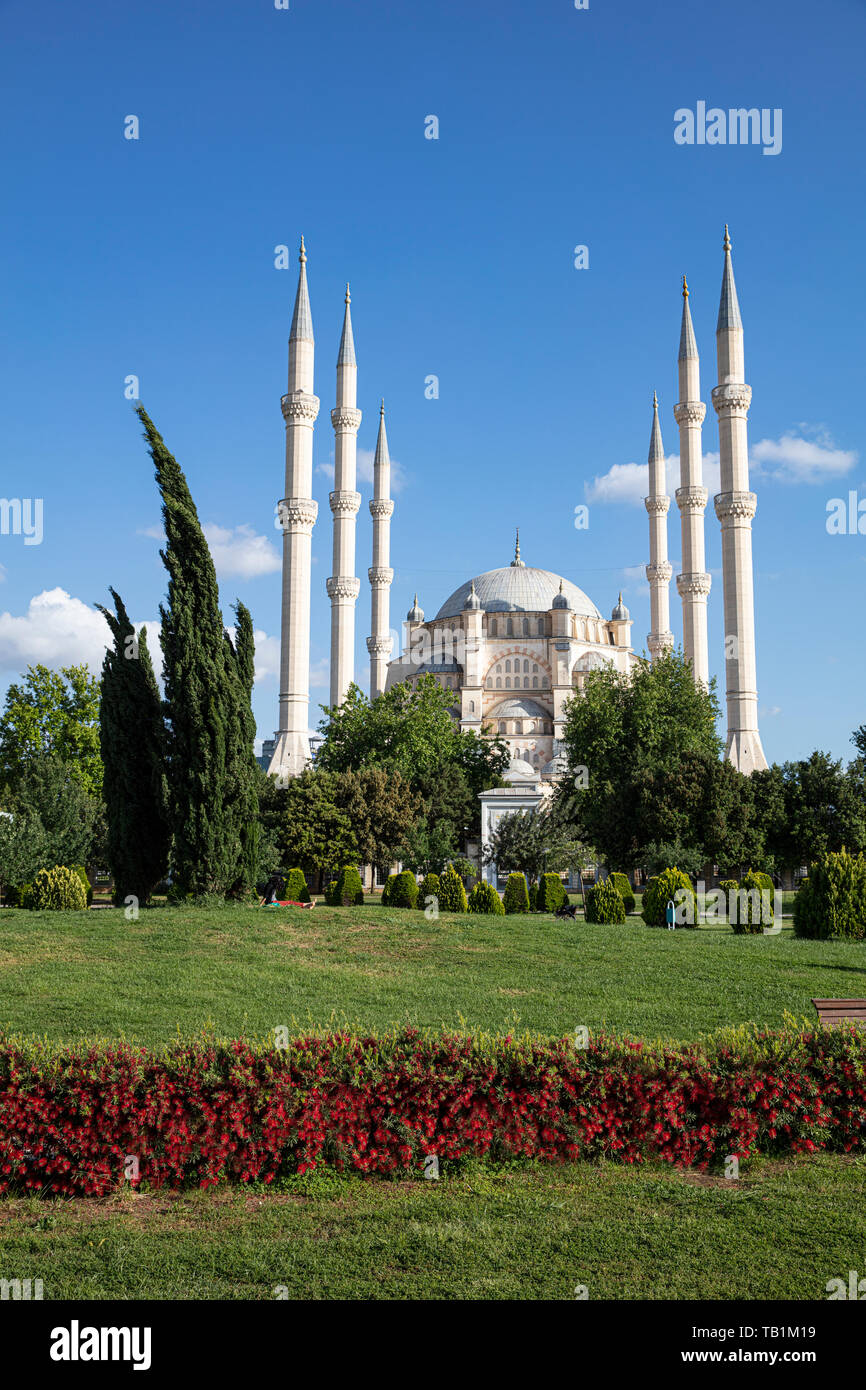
[(297, 514), (380, 572), (343, 586), (735, 506), (693, 585), (517, 563), (658, 571)]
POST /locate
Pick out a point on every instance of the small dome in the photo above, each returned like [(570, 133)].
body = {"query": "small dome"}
[(620, 613), (560, 601), (415, 614), (473, 602), (518, 770)]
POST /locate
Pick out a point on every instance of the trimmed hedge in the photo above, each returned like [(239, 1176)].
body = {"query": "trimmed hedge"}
[(404, 890), (452, 894), (551, 893), (82, 874), (429, 889), (295, 886), (346, 889), (832, 901), (660, 890), (56, 890), (205, 1112), (751, 911), (484, 898), (624, 888), (604, 904), (516, 895)]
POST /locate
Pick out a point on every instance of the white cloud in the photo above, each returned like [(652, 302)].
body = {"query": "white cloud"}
[(628, 483), (59, 630), (240, 551), (793, 459), (156, 533)]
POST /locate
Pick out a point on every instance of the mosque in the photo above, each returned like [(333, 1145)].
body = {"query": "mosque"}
[(515, 644)]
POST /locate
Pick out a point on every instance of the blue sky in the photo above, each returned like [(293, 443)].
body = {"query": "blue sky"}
[(155, 257)]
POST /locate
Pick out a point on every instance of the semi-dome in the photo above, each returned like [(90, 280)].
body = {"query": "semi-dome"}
[(518, 589), (519, 709), (518, 770)]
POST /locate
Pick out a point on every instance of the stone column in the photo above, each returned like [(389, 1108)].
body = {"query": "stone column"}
[(343, 586), (694, 583), (659, 569), (380, 572)]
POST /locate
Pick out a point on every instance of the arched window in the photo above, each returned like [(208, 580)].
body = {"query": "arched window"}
[(507, 682), (525, 682), (526, 665), (489, 682), (498, 682), (526, 627), (541, 627), (502, 728), (509, 628), (508, 665), (535, 682), (471, 706), (493, 627)]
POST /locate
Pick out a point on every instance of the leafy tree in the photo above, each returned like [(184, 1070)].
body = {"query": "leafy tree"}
[(381, 807), (824, 810), (50, 797), (314, 831), (23, 848), (625, 730), (413, 731), (132, 742), (531, 842), (53, 714)]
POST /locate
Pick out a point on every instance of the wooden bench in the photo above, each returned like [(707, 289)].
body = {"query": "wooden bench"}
[(834, 1011)]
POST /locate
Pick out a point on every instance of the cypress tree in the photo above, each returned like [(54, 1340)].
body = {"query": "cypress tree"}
[(241, 765), (132, 740), (200, 692)]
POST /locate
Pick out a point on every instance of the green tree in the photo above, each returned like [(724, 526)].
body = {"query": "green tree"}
[(532, 842), (132, 742), (242, 768), (207, 679), (314, 830), (623, 728), (381, 808), (49, 796), (23, 848), (412, 730), (824, 811), (55, 714)]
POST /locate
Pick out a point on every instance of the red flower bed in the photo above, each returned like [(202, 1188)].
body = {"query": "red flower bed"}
[(204, 1112)]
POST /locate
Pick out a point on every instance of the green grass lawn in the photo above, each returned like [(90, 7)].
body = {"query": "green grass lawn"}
[(95, 973), (780, 1231)]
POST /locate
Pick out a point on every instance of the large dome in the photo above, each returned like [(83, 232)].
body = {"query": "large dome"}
[(518, 589)]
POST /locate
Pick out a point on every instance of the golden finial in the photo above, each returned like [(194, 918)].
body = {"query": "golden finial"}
[(303, 254), (727, 239), (685, 288)]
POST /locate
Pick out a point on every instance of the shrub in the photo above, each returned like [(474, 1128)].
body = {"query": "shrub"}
[(484, 898), (429, 889), (751, 911), (82, 874), (728, 886), (767, 884), (19, 895), (347, 888), (329, 892), (551, 893), (516, 895), (58, 889), (272, 1112), (624, 888), (295, 887), (832, 901), (452, 894), (604, 903), (404, 890), (388, 890), (660, 890), (533, 896)]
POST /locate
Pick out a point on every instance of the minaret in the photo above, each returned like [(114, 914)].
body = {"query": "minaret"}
[(694, 583), (735, 507), (297, 513), (659, 569), (343, 586), (380, 572)]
